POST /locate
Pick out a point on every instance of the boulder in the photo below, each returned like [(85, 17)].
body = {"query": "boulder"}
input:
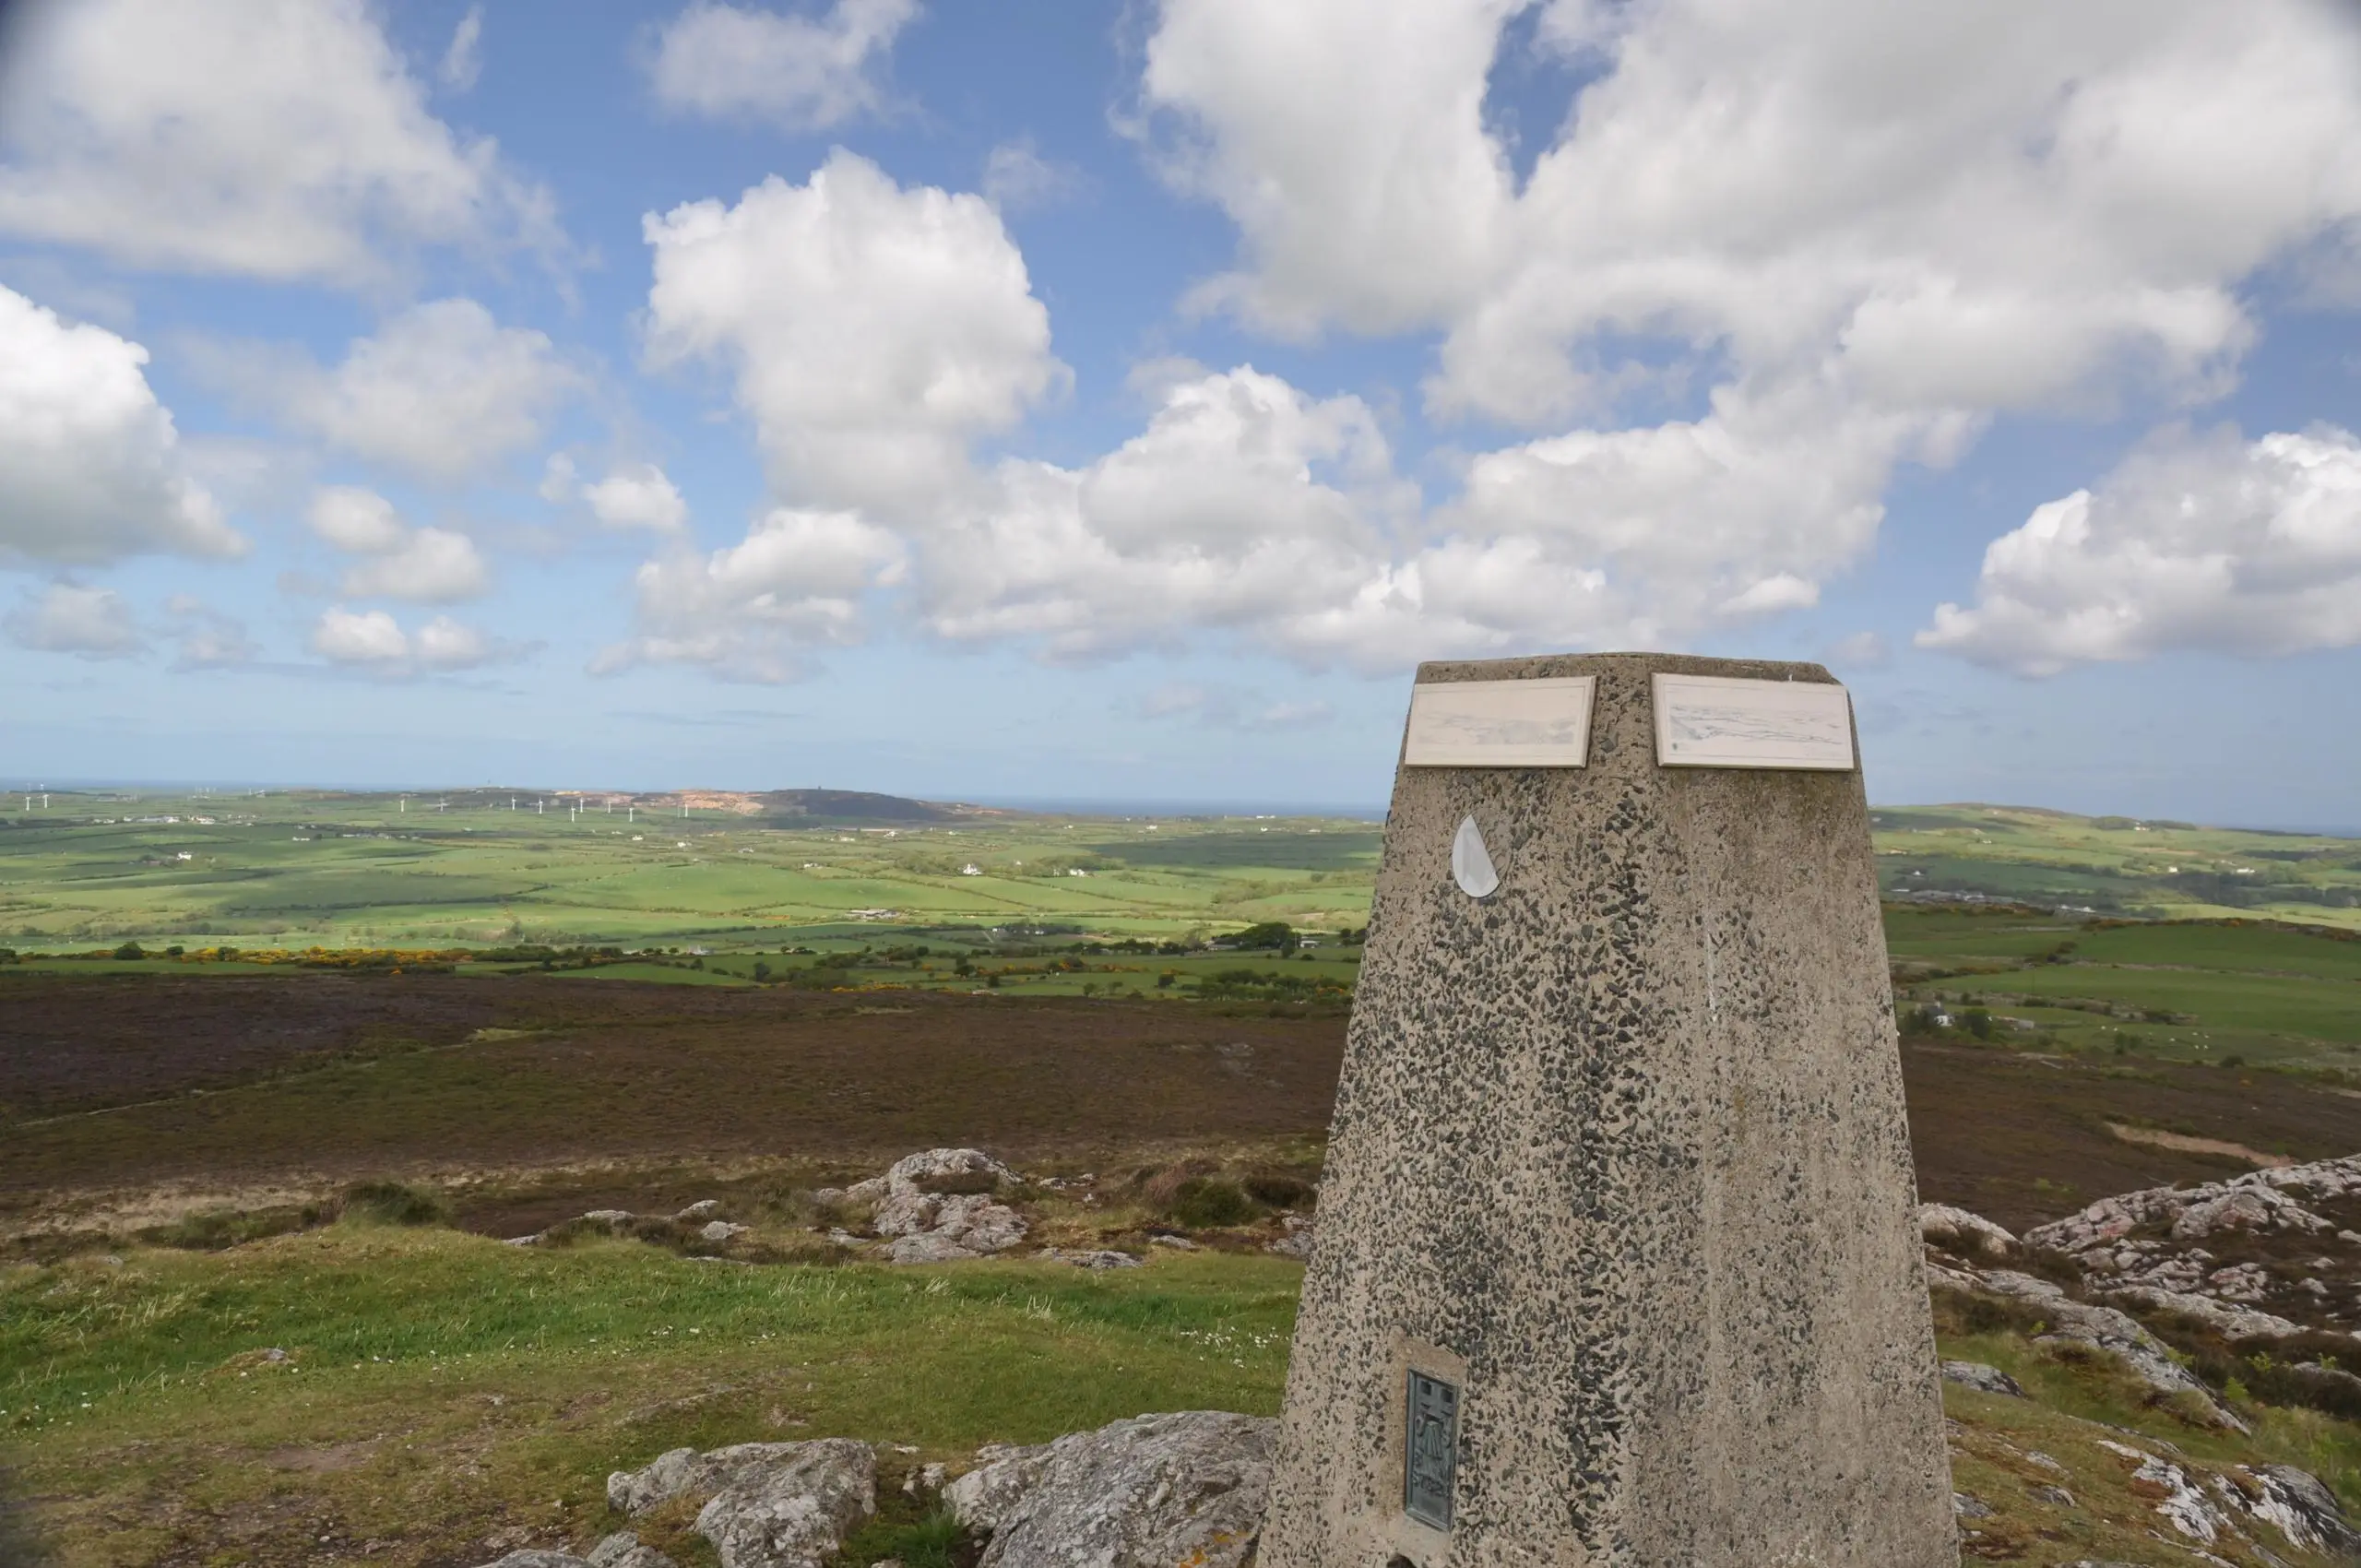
[(624, 1549), (793, 1515), (2304, 1509), (685, 1472), (1090, 1259), (926, 1247), (2231, 1322), (534, 1558), (1964, 1234), (699, 1211), (1147, 1492), (722, 1230), (939, 1201), (1978, 1375)]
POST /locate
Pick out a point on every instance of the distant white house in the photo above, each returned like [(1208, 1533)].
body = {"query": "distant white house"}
[(971, 870)]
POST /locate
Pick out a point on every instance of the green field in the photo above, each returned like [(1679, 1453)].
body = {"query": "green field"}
[(304, 868), (2082, 934)]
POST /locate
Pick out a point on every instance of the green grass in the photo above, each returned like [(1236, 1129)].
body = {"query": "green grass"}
[(467, 1383), (304, 867)]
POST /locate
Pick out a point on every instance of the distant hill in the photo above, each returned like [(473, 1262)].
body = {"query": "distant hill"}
[(861, 805)]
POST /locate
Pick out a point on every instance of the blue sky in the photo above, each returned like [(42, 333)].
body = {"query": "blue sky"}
[(1042, 401)]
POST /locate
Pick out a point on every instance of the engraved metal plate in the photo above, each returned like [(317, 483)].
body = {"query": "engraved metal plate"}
[(1430, 1456), (1537, 723), (1713, 721)]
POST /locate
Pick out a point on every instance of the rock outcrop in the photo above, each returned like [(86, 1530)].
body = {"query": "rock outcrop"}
[(794, 1515), (1147, 1492), (939, 1206), (769, 1504), (1985, 1378), (2101, 1328), (2289, 1266)]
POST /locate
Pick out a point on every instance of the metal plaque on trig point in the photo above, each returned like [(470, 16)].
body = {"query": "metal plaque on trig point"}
[(1430, 1449), (1536, 723), (1717, 722)]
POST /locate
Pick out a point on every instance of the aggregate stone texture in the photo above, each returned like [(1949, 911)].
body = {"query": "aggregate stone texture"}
[(1620, 1148)]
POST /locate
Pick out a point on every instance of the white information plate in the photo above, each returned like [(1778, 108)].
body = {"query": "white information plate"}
[(1713, 721), (1537, 723)]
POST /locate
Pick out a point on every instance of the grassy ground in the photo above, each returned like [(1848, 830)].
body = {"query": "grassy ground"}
[(438, 1398), (2235, 990), (439, 1389)]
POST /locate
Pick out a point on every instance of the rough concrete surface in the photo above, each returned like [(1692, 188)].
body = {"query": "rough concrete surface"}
[(1621, 1150)]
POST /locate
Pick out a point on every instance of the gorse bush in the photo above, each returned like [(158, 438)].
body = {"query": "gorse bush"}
[(393, 1203), (1208, 1203)]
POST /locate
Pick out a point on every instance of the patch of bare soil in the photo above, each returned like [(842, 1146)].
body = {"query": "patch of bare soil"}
[(162, 1082), (2023, 1139), (618, 1071)]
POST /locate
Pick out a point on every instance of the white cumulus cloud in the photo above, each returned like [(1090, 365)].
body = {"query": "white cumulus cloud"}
[(637, 495), (373, 639), (442, 391), (355, 520), (1838, 237), (2211, 542), (68, 617), (281, 139), (1244, 505), (801, 72), (798, 579), (91, 466), (873, 331), (428, 565), (209, 639)]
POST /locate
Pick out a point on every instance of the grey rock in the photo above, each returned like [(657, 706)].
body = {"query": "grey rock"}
[(2233, 1322), (2105, 1328), (535, 1558), (624, 1549), (612, 1218), (1966, 1505), (1978, 1375), (722, 1230), (2055, 1496), (2305, 1510), (926, 1478), (1967, 1235), (1297, 1243), (793, 1515), (1090, 1259), (942, 1227), (1146, 1493), (703, 1210), (927, 1246), (685, 1472)]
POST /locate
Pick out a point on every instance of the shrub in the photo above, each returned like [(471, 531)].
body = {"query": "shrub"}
[(1275, 934), (936, 1540), (1206, 1203), (1280, 1191), (393, 1203), (131, 950)]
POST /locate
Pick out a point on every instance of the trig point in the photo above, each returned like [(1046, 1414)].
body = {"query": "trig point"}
[(1616, 1260)]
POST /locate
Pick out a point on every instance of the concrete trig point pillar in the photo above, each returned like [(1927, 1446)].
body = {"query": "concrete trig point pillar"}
[(1615, 1262)]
